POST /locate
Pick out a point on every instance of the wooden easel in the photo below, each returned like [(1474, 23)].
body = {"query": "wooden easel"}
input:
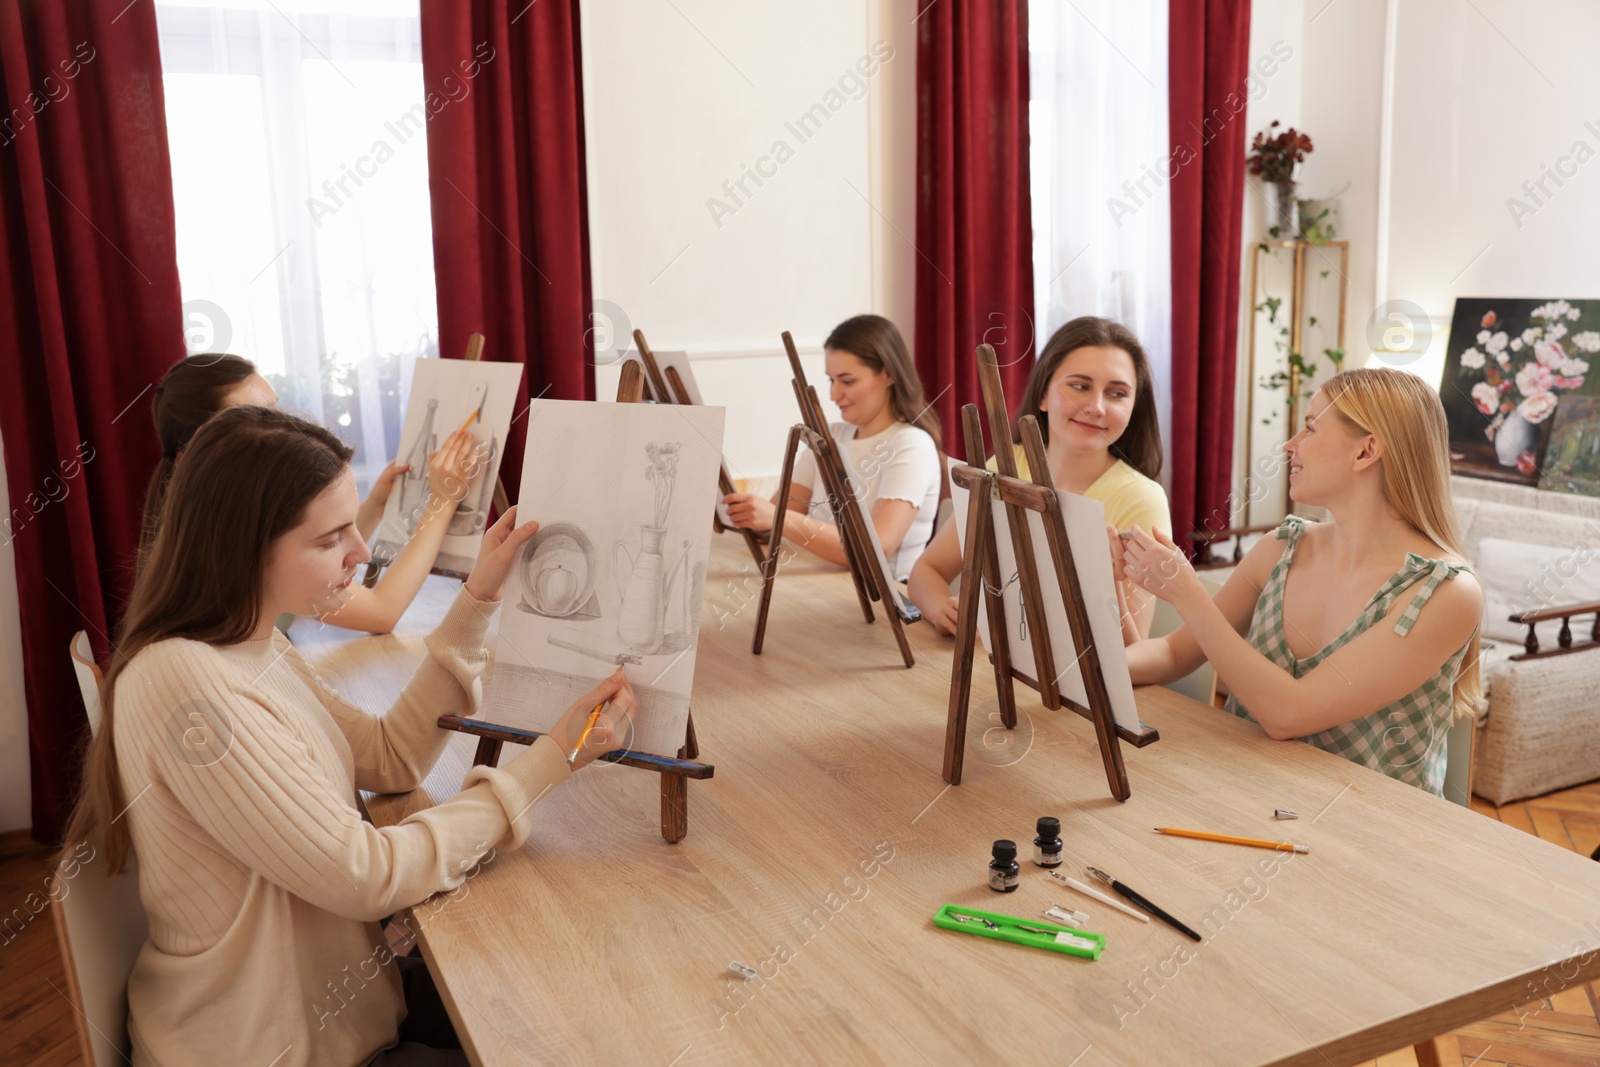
[(981, 570), (870, 581), (675, 773), (668, 388), (502, 502)]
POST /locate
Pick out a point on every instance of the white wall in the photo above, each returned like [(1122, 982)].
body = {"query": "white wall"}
[(1430, 115), (1486, 97), (1276, 31), (681, 99), (15, 803)]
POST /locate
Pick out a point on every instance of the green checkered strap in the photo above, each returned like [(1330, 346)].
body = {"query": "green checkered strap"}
[(1405, 740), (1438, 571)]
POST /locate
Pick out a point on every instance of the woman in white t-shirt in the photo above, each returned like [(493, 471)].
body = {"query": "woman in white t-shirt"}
[(889, 443)]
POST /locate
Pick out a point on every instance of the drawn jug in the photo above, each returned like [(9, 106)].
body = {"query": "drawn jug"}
[(646, 583)]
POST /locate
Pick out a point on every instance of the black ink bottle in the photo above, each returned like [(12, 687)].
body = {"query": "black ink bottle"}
[(1003, 870), (1047, 846)]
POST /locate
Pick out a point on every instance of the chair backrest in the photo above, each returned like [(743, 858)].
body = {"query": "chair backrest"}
[(1201, 683), (1458, 762), (88, 672), (101, 925)]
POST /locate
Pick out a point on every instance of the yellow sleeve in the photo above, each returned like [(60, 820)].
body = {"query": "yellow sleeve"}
[(1139, 501), (1022, 463)]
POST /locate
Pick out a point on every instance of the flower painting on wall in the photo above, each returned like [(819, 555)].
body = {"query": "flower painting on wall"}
[(1512, 369)]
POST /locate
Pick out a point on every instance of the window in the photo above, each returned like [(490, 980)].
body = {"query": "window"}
[(300, 174), (1102, 219)]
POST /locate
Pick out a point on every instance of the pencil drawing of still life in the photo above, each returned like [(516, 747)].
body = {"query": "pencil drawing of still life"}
[(614, 576), (446, 394)]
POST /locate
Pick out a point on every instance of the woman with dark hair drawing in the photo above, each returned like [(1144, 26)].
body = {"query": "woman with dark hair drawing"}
[(1092, 391), (889, 440), (230, 770), (196, 388)]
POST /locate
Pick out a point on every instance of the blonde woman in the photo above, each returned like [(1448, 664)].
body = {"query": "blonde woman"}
[(1358, 635)]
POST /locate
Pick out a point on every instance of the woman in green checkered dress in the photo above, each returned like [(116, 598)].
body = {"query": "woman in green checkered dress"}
[(1358, 635)]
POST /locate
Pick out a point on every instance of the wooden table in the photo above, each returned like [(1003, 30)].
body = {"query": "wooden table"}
[(827, 840)]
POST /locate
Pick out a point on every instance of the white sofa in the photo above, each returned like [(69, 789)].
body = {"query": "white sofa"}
[(1539, 728)]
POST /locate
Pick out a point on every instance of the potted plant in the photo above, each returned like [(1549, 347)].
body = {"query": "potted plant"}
[(1275, 159)]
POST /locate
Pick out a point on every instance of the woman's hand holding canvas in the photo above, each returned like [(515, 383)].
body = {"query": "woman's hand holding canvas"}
[(501, 544)]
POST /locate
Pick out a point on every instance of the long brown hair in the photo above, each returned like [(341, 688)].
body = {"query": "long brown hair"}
[(1140, 444), (1404, 413), (246, 479), (876, 341), (190, 392)]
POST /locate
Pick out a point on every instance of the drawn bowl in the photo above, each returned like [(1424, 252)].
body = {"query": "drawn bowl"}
[(556, 570)]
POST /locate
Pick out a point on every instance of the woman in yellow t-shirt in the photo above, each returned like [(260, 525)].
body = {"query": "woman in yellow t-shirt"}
[(1092, 386)]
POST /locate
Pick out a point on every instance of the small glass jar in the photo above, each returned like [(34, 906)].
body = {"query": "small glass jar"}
[(1004, 873), (1047, 846)]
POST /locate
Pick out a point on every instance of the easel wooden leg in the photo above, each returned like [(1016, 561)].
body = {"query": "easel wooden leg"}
[(836, 502), (852, 530), (769, 571), (752, 540), (691, 746), (488, 754), (675, 806), (1001, 655), (675, 792), (880, 580), (847, 541), (955, 734)]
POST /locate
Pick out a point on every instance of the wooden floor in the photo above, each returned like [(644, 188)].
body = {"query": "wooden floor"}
[(37, 1027)]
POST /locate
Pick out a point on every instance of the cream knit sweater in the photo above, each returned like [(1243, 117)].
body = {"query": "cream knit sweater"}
[(262, 882)]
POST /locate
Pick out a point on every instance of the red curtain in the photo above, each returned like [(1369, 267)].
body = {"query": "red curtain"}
[(507, 183), (974, 214), (92, 318), (1208, 43)]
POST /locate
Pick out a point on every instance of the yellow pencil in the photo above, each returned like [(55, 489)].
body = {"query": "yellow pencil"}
[(1280, 846), (464, 425), (594, 717)]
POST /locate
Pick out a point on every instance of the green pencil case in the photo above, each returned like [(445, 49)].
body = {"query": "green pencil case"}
[(1058, 939)]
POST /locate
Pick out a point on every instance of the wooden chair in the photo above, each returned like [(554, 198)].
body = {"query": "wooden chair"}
[(89, 678), (100, 922), (1205, 541), (1201, 683), (1458, 761), (101, 926)]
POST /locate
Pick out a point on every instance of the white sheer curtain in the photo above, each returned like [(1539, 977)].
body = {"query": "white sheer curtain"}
[(1102, 223), (300, 176)]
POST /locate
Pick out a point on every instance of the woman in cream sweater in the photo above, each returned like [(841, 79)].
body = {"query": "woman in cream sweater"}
[(230, 770)]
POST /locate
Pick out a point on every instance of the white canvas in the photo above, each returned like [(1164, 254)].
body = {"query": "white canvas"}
[(664, 360), (1086, 533), (614, 577), (897, 592), (444, 392)]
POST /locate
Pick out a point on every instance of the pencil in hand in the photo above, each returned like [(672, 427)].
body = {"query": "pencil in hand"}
[(594, 717)]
